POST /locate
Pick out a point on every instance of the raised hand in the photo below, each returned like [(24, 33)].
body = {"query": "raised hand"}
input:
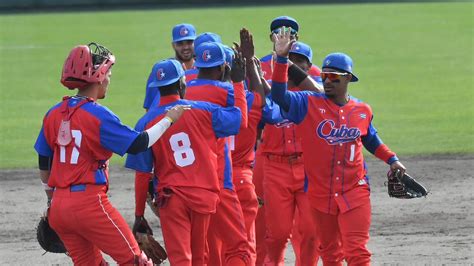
[(238, 66), (246, 44), (283, 42)]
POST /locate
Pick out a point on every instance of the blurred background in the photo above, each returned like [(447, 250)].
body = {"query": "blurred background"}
[(414, 60)]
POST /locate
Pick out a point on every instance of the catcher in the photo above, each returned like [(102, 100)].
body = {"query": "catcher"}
[(74, 145)]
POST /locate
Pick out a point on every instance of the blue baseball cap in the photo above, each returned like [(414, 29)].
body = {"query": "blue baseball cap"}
[(340, 61), (284, 21), (183, 32), (229, 54), (302, 49), (209, 54), (207, 37), (166, 72)]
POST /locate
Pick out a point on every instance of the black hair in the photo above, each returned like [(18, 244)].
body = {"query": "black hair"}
[(170, 89)]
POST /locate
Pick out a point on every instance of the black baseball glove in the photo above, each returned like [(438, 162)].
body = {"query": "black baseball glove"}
[(404, 186), (47, 237)]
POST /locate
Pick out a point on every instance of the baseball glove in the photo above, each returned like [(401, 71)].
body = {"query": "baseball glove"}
[(144, 236), (47, 237), (151, 247), (404, 186)]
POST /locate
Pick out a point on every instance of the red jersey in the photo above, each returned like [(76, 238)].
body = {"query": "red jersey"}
[(243, 144), (96, 134), (332, 138), (281, 138), (186, 154), (220, 93)]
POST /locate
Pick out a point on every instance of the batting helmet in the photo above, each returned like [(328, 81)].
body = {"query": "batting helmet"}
[(86, 64)]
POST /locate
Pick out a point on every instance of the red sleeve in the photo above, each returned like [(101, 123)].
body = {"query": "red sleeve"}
[(280, 72), (141, 188), (385, 154), (241, 102), (257, 100)]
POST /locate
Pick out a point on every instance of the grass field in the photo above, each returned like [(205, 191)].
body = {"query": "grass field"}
[(414, 61)]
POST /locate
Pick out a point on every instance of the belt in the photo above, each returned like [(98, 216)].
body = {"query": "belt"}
[(293, 158), (83, 187), (77, 188)]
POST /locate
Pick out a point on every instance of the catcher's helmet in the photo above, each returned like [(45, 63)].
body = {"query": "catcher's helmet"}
[(86, 64)]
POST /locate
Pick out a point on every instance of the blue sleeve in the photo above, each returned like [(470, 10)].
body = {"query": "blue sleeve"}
[(271, 112), (42, 146), (371, 141), (114, 135), (226, 121), (298, 106), (230, 97), (150, 94), (294, 105), (142, 161)]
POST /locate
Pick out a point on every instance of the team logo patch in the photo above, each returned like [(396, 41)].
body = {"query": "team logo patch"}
[(328, 62), (206, 55), (334, 135), (160, 74), (183, 31)]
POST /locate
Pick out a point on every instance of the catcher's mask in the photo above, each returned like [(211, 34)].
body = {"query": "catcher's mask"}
[(86, 64)]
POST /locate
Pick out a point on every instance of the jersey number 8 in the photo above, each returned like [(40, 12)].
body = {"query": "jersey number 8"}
[(181, 146)]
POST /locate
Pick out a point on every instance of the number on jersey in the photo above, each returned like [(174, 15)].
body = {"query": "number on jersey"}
[(181, 146), (77, 136)]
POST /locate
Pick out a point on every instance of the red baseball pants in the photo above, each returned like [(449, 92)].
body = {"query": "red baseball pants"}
[(248, 201), (260, 228), (227, 227), (87, 224), (184, 232), (344, 236), (283, 193)]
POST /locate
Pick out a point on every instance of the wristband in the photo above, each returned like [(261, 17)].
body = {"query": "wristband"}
[(170, 119)]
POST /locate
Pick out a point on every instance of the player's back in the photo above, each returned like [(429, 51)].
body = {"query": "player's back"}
[(213, 91), (96, 133), (186, 154)]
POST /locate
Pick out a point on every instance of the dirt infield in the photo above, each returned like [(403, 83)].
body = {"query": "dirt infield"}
[(437, 230)]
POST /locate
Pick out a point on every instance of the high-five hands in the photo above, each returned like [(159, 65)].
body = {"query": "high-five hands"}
[(283, 42)]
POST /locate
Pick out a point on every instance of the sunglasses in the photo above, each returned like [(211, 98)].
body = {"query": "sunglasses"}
[(278, 30), (332, 76)]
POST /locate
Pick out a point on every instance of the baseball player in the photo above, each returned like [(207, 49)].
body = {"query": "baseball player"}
[(185, 161), (74, 145), (227, 234), (268, 60), (334, 127), (283, 182), (303, 81), (192, 73), (183, 36)]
